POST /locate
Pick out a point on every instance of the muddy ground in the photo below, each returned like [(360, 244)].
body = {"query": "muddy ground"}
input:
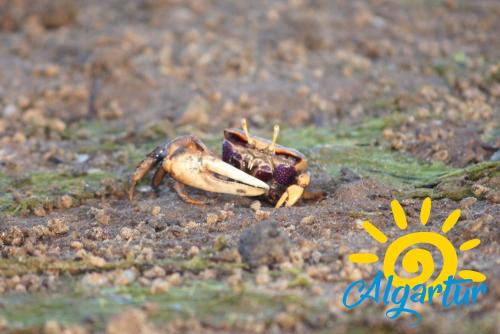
[(387, 99)]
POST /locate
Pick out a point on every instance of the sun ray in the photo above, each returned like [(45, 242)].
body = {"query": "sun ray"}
[(451, 221), (399, 215), (363, 258), (469, 244), (374, 232), (475, 276), (425, 212)]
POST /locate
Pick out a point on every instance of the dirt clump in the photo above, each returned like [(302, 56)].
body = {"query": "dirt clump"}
[(264, 244)]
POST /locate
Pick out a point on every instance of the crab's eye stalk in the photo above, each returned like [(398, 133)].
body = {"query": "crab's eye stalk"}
[(160, 155), (244, 126), (276, 131)]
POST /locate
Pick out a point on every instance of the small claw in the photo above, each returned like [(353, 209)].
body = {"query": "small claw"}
[(208, 173), (292, 194), (151, 160), (139, 173)]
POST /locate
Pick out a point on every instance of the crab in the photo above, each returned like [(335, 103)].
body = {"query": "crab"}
[(250, 166)]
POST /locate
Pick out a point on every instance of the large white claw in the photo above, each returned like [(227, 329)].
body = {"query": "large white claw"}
[(204, 172)]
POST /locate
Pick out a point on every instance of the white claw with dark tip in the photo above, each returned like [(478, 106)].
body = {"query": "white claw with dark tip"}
[(208, 173)]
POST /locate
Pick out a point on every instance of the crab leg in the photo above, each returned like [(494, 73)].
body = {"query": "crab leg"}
[(294, 192), (180, 189), (157, 178)]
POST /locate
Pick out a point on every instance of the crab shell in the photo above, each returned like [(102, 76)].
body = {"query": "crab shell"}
[(279, 168)]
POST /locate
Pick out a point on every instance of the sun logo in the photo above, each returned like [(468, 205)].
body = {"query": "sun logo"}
[(418, 259)]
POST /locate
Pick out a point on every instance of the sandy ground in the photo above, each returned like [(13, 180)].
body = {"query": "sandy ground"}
[(387, 99)]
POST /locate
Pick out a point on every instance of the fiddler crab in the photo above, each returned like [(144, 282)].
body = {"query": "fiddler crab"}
[(250, 166)]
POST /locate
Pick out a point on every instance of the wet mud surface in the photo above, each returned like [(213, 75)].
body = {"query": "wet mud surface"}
[(387, 99)]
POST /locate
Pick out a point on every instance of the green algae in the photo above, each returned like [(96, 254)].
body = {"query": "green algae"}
[(362, 150), (459, 184), (43, 189), (93, 129), (208, 301), (10, 267)]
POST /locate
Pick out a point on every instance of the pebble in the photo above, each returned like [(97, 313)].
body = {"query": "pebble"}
[(480, 222), (215, 96), (35, 117), (102, 218), (132, 321), (208, 274), (81, 158), (126, 277), (467, 202), (351, 273), (220, 243), (9, 110), (112, 111), (52, 327), (39, 211), (228, 107), (19, 138), (57, 226), (197, 112), (95, 233), (194, 250), (286, 321), (96, 261), (156, 210), (262, 215), (493, 197), (303, 90), (262, 277), (212, 218), (190, 224), (40, 231), (77, 245), (94, 279), (255, 206), (66, 202), (235, 281), (479, 189), (225, 214), (14, 236), (159, 286), (146, 254), (318, 272), (297, 257), (244, 100), (308, 220), (56, 125), (154, 272), (175, 279), (127, 233)]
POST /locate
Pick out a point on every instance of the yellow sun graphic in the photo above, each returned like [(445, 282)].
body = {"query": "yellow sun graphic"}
[(417, 259)]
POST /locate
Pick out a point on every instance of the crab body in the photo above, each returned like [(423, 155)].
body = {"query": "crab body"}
[(276, 165)]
